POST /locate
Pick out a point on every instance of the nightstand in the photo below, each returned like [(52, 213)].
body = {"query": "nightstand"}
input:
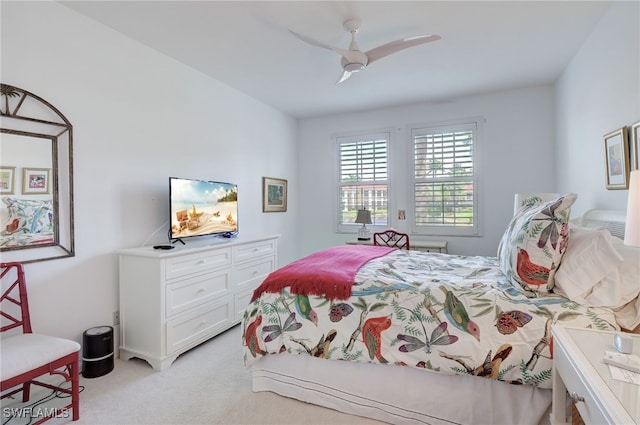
[(579, 370), (426, 246)]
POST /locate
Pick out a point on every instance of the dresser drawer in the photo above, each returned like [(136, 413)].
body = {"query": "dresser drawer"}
[(241, 302), (589, 408), (197, 290), (185, 265), (198, 325), (245, 275), (253, 250)]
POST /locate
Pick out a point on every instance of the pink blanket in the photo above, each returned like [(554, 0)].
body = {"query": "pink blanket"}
[(329, 272)]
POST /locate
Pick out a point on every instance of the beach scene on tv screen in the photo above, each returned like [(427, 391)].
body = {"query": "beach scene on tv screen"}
[(202, 208)]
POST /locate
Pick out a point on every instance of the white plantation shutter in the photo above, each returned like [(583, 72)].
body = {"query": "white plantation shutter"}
[(445, 201), (362, 178)]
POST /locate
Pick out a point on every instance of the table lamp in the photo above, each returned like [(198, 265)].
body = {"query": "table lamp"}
[(632, 227), (364, 217)]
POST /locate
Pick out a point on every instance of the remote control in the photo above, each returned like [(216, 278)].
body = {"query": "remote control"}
[(624, 361), (163, 247)]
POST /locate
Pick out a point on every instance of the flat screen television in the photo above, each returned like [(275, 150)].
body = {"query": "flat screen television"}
[(201, 208)]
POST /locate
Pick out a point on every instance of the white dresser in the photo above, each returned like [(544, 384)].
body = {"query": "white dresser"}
[(173, 300)]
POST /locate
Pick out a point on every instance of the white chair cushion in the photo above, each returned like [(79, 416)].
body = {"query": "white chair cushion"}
[(25, 352)]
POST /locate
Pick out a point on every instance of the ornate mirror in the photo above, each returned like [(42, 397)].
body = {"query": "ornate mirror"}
[(36, 179)]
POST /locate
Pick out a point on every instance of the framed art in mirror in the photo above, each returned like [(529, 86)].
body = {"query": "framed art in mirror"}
[(7, 177), (36, 205), (616, 157), (35, 181)]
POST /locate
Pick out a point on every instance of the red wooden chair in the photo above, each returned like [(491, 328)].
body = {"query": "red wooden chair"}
[(391, 238), (27, 356)]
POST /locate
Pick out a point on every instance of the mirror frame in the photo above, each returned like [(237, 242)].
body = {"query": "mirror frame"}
[(24, 114)]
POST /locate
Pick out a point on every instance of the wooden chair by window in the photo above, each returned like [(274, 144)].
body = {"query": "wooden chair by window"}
[(391, 238), (26, 355)]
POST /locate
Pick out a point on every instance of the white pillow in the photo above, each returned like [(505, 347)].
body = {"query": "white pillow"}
[(628, 316), (621, 285), (589, 258)]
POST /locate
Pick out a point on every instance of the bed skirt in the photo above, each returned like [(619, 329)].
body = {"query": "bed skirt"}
[(400, 395)]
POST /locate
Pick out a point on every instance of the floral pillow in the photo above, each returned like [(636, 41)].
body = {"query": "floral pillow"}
[(533, 244), (530, 200), (28, 216)]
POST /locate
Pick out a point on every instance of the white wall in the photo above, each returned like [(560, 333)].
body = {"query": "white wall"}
[(139, 117), (598, 92), (516, 153)]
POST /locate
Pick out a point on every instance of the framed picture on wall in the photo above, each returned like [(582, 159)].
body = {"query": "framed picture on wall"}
[(274, 195), (616, 157), (635, 146), (7, 179), (35, 181)]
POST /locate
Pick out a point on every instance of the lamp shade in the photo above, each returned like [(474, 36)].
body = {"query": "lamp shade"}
[(632, 227), (364, 217)]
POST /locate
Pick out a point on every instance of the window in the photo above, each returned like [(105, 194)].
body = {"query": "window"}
[(363, 178), (445, 201)]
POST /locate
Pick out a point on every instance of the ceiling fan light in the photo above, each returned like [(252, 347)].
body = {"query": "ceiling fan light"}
[(353, 67)]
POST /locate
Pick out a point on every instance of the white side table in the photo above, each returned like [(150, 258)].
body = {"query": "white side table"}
[(426, 246), (579, 370)]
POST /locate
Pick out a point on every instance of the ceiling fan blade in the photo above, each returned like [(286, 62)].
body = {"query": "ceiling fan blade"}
[(345, 53), (395, 46), (344, 76)]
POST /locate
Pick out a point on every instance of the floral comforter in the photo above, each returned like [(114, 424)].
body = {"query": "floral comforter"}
[(445, 313)]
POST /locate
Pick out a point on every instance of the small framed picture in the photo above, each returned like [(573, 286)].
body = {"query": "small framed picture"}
[(616, 158), (274, 195), (7, 179), (35, 181), (635, 146)]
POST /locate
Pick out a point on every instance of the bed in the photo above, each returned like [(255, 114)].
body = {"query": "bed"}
[(414, 337)]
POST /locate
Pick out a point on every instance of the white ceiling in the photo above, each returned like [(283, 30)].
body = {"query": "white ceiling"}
[(485, 46)]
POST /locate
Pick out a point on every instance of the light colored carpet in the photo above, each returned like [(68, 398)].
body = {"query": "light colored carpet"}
[(206, 385)]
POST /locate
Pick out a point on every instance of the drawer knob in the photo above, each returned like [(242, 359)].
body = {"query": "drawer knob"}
[(576, 398)]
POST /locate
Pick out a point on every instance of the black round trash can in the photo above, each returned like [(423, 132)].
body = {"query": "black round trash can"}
[(97, 351)]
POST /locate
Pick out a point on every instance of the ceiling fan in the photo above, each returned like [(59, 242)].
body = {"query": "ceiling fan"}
[(354, 60)]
